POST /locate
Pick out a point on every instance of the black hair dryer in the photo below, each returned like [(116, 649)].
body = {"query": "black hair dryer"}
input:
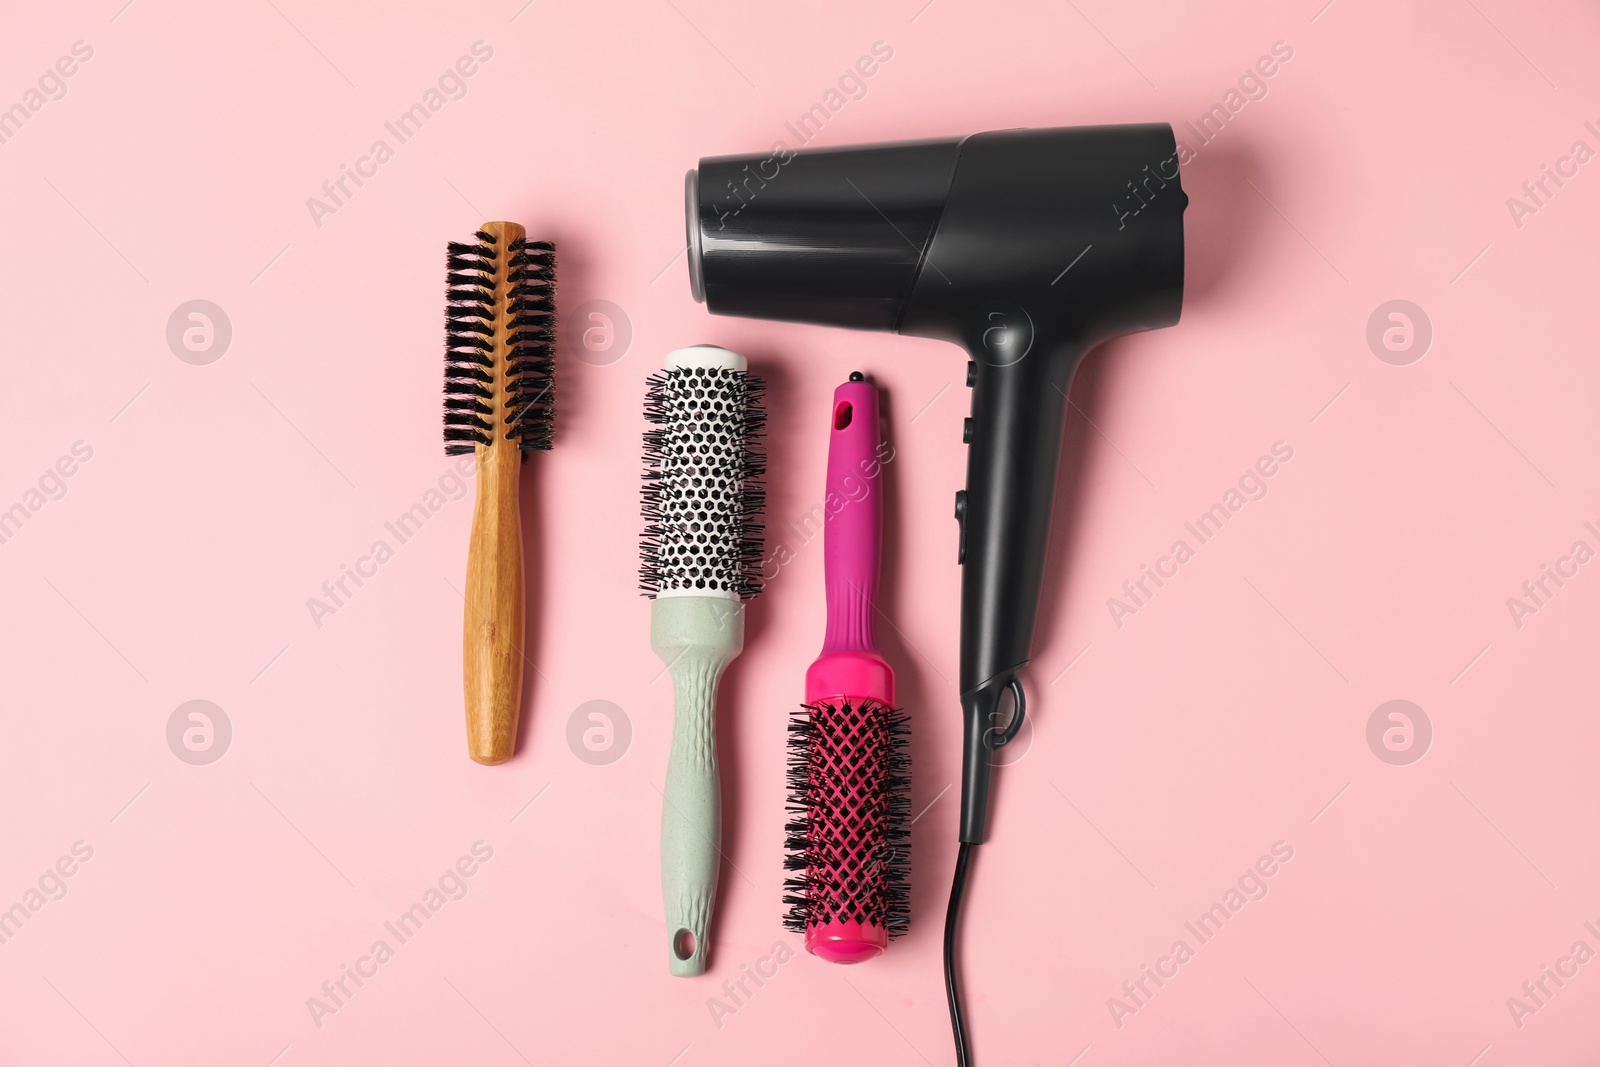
[(1026, 247)]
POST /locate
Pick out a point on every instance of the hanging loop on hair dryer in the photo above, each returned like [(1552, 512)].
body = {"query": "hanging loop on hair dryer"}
[(998, 739)]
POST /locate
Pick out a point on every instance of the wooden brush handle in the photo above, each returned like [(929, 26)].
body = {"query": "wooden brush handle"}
[(494, 624)]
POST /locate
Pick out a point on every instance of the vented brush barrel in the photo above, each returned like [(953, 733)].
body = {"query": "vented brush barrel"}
[(848, 838)]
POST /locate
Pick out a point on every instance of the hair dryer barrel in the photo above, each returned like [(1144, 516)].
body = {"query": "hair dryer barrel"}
[(831, 236)]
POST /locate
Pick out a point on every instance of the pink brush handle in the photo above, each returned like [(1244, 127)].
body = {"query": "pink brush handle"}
[(852, 543)]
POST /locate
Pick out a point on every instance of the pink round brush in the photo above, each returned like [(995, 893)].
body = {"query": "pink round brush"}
[(849, 786)]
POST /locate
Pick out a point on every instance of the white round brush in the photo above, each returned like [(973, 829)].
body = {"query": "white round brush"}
[(701, 560)]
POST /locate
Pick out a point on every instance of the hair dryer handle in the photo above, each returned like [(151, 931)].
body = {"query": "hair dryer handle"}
[(1018, 403)]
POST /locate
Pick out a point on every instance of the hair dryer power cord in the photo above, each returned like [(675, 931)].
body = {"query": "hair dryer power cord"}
[(952, 917)]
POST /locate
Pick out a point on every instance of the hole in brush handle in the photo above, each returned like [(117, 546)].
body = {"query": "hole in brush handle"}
[(683, 944)]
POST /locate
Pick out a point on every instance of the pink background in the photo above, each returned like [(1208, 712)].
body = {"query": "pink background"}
[(1228, 714)]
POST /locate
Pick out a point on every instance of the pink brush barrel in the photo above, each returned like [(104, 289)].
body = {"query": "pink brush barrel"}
[(852, 773)]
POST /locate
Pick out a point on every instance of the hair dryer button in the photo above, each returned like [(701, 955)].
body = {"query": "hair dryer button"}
[(961, 526), (972, 373), (966, 431)]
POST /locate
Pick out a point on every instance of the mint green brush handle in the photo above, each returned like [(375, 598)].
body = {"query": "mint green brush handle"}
[(696, 637)]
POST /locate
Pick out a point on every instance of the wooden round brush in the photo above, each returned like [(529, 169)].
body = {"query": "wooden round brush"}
[(499, 364)]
